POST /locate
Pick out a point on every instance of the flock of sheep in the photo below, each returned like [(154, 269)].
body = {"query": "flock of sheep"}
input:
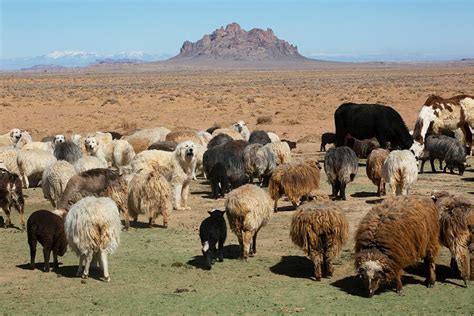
[(90, 180)]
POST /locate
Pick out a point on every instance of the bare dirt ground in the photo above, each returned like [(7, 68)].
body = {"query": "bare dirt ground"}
[(158, 270)]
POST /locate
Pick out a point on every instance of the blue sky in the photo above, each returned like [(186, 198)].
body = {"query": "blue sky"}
[(328, 29)]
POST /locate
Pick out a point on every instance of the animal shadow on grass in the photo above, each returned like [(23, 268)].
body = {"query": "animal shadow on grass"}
[(353, 285), (287, 208), (376, 201), (468, 179), (294, 267), (140, 225), (230, 252), (442, 273), (38, 266), (364, 194), (95, 272)]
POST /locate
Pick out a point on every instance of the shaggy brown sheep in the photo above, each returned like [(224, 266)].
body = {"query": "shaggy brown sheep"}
[(320, 230), (395, 235), (374, 168), (295, 181)]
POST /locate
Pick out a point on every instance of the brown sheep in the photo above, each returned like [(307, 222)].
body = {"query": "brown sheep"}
[(395, 235), (179, 136), (456, 218), (374, 168), (248, 209), (139, 144), (320, 230), (150, 193), (164, 145), (295, 181), (98, 182), (11, 194)]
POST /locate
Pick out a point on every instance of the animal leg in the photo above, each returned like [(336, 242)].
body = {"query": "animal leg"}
[(165, 219), (253, 249), (399, 286), (454, 265), (55, 260), (422, 165), (8, 222), (464, 266), (328, 269), (32, 242), (343, 191), (21, 211), (316, 258), (241, 243), (150, 222), (275, 206), (177, 197), (220, 252), (432, 165), (430, 270), (440, 164), (46, 253), (471, 254), (25, 180), (105, 266), (247, 240), (82, 259), (88, 259)]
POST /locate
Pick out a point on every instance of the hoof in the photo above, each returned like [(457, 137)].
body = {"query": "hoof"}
[(105, 279), (221, 260), (317, 279), (84, 276), (32, 266), (46, 269)]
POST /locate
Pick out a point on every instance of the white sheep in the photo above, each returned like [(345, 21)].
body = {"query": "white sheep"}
[(89, 162), (150, 193), (93, 227), (274, 137), (228, 131), (33, 161), (55, 179), (10, 138), (242, 128), (281, 150), (205, 137), (8, 159), (400, 171), (200, 150), (248, 209)]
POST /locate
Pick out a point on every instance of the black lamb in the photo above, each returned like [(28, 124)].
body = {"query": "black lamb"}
[(213, 231)]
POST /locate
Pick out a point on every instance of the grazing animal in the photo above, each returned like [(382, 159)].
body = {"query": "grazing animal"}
[(11, 194), (281, 151), (31, 162), (179, 136), (327, 138), (231, 156), (181, 162), (274, 137), (46, 228), (55, 179), (394, 235), (456, 219), (362, 148), (374, 166), (99, 183), (235, 135), (150, 193), (242, 128), (10, 138), (213, 232), (88, 163), (117, 153), (142, 139), (248, 209), (205, 137), (92, 227), (164, 145), (67, 151), (260, 137), (400, 171), (341, 165), (295, 181), (444, 148), (364, 121), (259, 161), (438, 113), (290, 143), (320, 230), (219, 139)]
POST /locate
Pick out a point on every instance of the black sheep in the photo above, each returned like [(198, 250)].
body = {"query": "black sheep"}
[(219, 139), (115, 135), (47, 229), (290, 143), (327, 138), (364, 121), (260, 137), (212, 129), (163, 145), (213, 231), (444, 148), (219, 180)]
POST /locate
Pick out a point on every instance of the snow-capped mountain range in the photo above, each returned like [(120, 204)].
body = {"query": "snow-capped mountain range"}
[(79, 59)]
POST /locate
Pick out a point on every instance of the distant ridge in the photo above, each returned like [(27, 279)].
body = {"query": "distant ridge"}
[(233, 43)]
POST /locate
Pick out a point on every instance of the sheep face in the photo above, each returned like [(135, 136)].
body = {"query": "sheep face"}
[(186, 150), (91, 143), (15, 135), (239, 126), (59, 139), (372, 274), (417, 149)]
